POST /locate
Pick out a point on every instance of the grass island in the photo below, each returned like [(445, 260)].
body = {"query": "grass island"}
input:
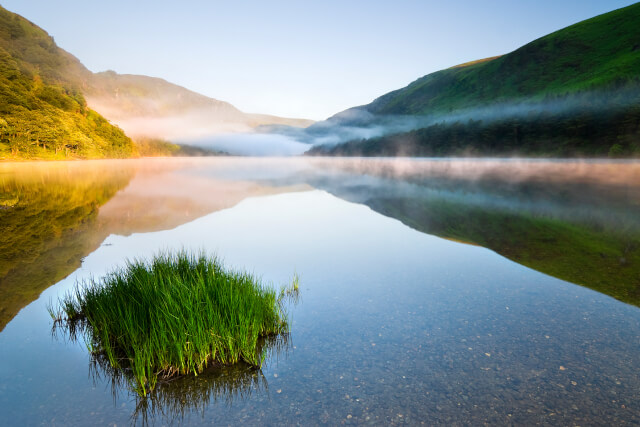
[(175, 314)]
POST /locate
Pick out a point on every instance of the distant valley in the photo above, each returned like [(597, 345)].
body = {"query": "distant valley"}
[(151, 107)]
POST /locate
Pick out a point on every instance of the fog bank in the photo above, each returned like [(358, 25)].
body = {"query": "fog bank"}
[(250, 144)]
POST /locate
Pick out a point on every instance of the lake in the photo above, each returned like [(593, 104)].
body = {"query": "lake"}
[(432, 291)]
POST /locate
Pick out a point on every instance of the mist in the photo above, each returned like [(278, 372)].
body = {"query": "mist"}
[(219, 126), (176, 128), (360, 123), (249, 144), (146, 107)]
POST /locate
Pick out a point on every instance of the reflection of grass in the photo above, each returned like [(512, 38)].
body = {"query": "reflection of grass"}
[(604, 260), (174, 400), (174, 315)]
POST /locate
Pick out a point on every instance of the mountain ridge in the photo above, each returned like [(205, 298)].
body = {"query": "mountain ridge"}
[(146, 106), (53, 107), (569, 79)]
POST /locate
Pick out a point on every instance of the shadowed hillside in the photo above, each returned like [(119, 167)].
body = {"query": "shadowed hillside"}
[(152, 107)]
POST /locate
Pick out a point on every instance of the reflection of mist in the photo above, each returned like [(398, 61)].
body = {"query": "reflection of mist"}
[(597, 194), (168, 192)]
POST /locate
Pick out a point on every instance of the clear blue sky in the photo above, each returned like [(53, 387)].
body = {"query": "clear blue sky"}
[(296, 58)]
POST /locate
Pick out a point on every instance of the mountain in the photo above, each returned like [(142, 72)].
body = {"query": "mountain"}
[(42, 109), (573, 92), (152, 107), (51, 106)]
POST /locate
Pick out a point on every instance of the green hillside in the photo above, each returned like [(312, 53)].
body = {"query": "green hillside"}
[(43, 113), (575, 92), (599, 53)]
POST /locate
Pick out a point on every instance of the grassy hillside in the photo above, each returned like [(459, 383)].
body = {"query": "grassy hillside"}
[(599, 53), (575, 92), (576, 133), (43, 113)]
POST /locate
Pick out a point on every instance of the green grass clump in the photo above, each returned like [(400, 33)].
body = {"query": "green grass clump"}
[(173, 315)]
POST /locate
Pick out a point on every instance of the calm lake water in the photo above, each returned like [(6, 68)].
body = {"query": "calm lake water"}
[(437, 292)]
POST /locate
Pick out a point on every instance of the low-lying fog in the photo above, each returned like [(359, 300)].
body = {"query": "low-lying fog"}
[(251, 144)]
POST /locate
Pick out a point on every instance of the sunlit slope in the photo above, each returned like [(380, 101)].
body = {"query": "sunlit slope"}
[(599, 53), (49, 100), (42, 110)]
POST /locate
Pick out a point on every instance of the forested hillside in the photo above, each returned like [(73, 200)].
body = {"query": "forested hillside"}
[(43, 113)]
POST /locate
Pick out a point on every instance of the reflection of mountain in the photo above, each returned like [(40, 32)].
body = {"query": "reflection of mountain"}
[(607, 261), (54, 214), (580, 222), (47, 216)]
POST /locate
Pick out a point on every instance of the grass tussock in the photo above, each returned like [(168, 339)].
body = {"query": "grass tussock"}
[(174, 315)]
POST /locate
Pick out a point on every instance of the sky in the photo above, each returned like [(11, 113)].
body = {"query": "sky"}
[(296, 58)]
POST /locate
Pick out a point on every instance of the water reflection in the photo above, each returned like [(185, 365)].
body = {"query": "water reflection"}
[(599, 194), (166, 193), (606, 260), (397, 326), (575, 220), (177, 399), (53, 214), (47, 215), (578, 221)]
